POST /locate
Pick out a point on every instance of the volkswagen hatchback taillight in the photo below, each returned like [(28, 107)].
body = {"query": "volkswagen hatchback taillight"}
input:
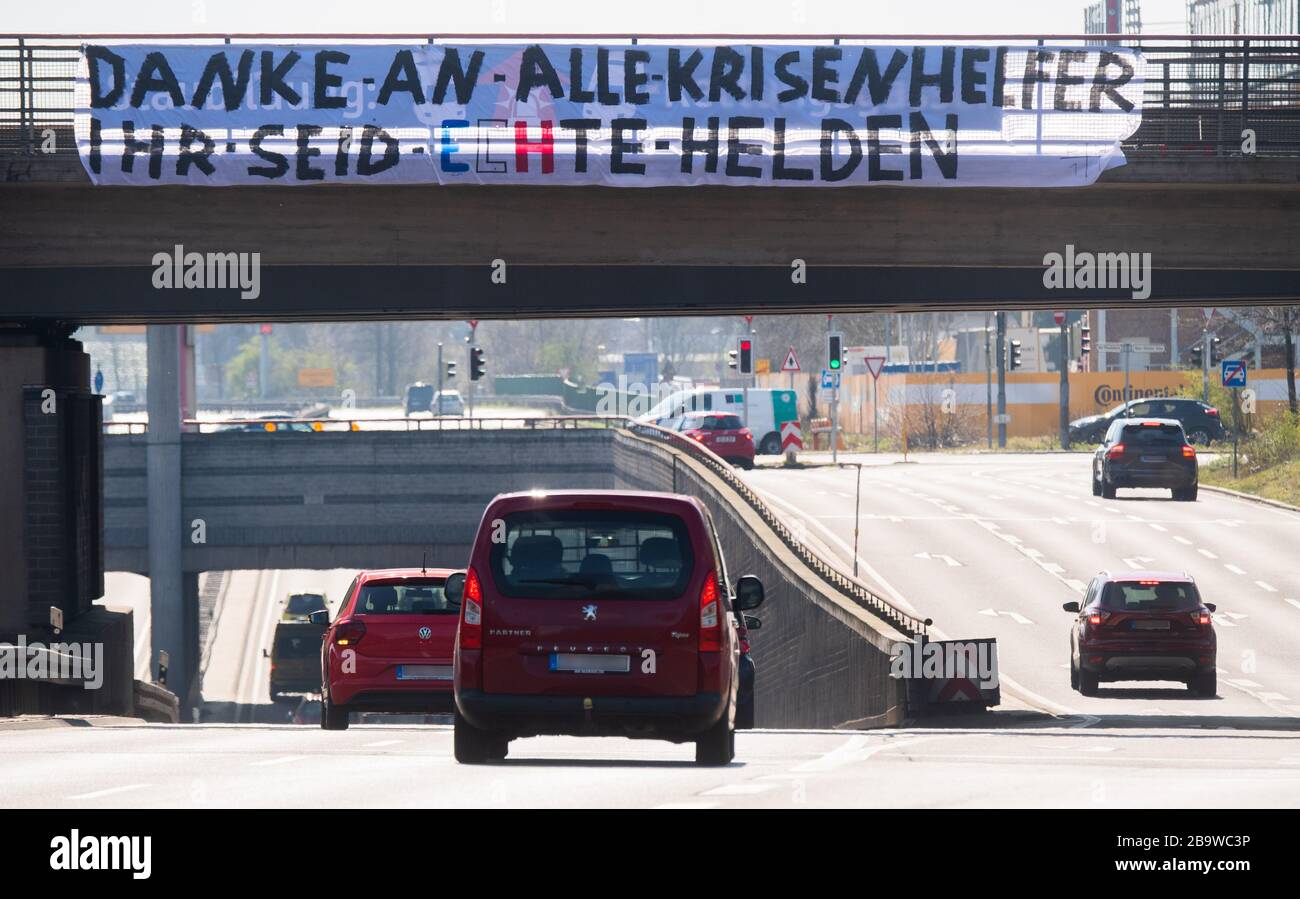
[(349, 632)]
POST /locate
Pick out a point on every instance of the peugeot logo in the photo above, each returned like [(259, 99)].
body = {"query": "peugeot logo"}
[(589, 612), (425, 633)]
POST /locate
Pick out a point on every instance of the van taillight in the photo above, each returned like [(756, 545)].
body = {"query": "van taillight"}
[(471, 613), (349, 632), (710, 617)]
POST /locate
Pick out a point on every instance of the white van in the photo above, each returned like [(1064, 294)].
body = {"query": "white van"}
[(768, 408)]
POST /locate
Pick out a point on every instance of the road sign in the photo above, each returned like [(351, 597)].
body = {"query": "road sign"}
[(791, 362), (1058, 317), (315, 377), (1234, 372), (791, 436), (830, 379), (875, 365), (762, 366), (1112, 347), (1002, 418)]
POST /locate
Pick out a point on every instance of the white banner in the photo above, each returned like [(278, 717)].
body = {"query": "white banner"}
[(627, 116)]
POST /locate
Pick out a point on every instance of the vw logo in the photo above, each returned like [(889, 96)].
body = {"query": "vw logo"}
[(425, 633), (589, 612)]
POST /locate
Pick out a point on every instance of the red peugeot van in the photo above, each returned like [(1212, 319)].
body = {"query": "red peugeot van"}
[(598, 613)]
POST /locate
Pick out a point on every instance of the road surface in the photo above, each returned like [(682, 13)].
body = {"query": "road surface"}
[(992, 545), (1029, 765)]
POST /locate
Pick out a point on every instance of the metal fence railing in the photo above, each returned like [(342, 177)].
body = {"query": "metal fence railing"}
[(1201, 92)]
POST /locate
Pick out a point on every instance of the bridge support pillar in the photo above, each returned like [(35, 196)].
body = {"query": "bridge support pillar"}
[(168, 598)]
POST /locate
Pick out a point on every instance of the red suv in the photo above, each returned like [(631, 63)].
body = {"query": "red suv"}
[(390, 649), (604, 613), (725, 434), (1143, 625)]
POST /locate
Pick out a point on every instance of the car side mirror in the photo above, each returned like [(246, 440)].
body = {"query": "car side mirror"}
[(1213, 607), (749, 593), (1070, 607), (752, 623), (454, 588), (320, 617)]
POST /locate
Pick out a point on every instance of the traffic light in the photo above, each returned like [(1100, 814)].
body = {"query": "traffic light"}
[(477, 367), (1198, 356), (835, 351), (746, 356), (1013, 355), (451, 370), (1216, 354), (1085, 340)]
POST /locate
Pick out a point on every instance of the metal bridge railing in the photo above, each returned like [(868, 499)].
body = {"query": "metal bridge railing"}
[(1202, 92)]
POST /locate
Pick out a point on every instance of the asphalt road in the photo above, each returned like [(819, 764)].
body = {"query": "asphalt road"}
[(992, 545), (201, 766)]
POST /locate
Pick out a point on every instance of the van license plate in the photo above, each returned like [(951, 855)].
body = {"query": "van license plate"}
[(424, 672), (590, 663)]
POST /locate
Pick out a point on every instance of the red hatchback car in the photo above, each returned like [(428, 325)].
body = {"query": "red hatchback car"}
[(724, 434), (604, 613), (1143, 625), (390, 648)]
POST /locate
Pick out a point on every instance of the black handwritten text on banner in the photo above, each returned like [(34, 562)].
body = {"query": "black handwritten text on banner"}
[(634, 116)]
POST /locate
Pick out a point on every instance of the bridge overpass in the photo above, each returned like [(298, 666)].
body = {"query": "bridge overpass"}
[(1222, 225)]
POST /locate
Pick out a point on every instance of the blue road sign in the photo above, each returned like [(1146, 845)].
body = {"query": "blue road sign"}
[(830, 379), (1234, 372), (99, 381)]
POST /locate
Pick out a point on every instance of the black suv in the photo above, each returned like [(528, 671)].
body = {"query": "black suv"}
[(1145, 452), (1200, 421)]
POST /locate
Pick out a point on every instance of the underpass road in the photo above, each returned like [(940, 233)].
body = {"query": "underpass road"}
[(992, 545), (217, 766)]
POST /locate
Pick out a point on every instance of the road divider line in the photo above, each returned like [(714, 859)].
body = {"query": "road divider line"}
[(283, 760), (1234, 569)]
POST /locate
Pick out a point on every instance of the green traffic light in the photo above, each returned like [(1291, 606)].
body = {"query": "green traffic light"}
[(835, 363)]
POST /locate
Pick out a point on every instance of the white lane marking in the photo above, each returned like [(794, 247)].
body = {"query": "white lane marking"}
[(675, 805), (1076, 586), (1273, 697), (379, 743), (1088, 502), (1157, 527), (111, 791), (1138, 561), (1014, 616), (1234, 569), (1183, 540), (1207, 553), (942, 557), (739, 790), (853, 750), (1265, 586), (1053, 568), (1294, 602), (1242, 682), (283, 760)]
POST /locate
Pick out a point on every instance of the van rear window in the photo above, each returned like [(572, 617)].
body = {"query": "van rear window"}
[(592, 554)]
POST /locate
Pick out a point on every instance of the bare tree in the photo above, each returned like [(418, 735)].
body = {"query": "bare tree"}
[(1284, 322)]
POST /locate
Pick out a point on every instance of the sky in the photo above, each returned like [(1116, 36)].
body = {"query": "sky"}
[(569, 16)]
